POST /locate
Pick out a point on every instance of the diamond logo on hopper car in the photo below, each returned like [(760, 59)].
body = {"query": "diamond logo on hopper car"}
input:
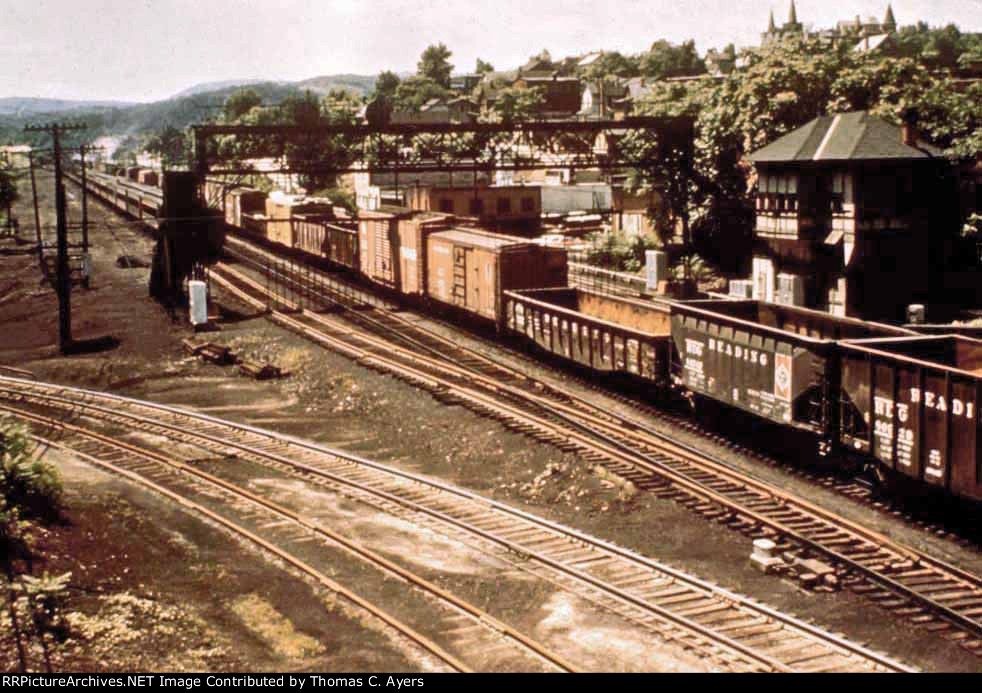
[(782, 377)]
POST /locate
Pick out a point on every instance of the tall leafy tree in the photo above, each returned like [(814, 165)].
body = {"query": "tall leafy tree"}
[(483, 67), (240, 103), (171, 145), (385, 85), (434, 64), (665, 59)]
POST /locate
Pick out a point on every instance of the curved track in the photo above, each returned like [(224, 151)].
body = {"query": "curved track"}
[(280, 531), (737, 634)]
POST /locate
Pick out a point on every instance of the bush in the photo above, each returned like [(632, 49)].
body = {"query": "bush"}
[(705, 275), (338, 197), (29, 486), (620, 254)]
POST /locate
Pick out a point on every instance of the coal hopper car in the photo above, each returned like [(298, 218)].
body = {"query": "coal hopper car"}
[(778, 362), (912, 404)]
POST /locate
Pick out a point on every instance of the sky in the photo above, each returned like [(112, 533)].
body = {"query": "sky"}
[(146, 50)]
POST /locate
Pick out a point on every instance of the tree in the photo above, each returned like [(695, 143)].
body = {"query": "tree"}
[(665, 59), (515, 105), (483, 67), (240, 103), (414, 91), (311, 153), (434, 64), (30, 491), (171, 145), (385, 85), (612, 64)]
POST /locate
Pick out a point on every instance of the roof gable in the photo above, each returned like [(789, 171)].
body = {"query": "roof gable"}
[(854, 136)]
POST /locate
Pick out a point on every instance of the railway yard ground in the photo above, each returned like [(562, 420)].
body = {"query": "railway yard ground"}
[(158, 588)]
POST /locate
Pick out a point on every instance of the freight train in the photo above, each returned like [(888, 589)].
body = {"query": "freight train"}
[(902, 402)]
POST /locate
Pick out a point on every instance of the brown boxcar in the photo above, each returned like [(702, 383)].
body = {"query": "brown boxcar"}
[(280, 209), (772, 360), (470, 269), (913, 405), (332, 240), (607, 333), (377, 234), (392, 246)]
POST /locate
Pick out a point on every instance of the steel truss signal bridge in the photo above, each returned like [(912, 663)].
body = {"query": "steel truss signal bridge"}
[(636, 142)]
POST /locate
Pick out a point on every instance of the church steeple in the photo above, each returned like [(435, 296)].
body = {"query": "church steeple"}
[(793, 16), (771, 28), (889, 23)]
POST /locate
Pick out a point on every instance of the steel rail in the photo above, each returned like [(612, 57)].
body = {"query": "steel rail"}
[(795, 624), (368, 555), (254, 538)]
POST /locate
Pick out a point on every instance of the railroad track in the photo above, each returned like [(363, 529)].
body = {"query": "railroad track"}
[(908, 582), (729, 630), (281, 532)]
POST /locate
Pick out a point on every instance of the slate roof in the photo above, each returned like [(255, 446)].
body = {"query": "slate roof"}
[(854, 136)]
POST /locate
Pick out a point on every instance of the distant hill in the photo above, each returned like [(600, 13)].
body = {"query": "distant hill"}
[(358, 84), (193, 105), (216, 86), (25, 106)]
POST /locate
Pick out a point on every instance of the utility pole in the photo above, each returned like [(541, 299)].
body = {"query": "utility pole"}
[(64, 279), (86, 261), (85, 205), (37, 214)]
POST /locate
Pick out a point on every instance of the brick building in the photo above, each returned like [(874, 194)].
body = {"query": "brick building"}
[(504, 206)]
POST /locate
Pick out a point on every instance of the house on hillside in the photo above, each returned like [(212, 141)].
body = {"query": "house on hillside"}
[(600, 99), (439, 110)]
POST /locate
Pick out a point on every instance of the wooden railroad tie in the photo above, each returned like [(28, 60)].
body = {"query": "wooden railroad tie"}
[(224, 356)]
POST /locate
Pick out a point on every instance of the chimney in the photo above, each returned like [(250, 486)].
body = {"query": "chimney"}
[(909, 134)]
